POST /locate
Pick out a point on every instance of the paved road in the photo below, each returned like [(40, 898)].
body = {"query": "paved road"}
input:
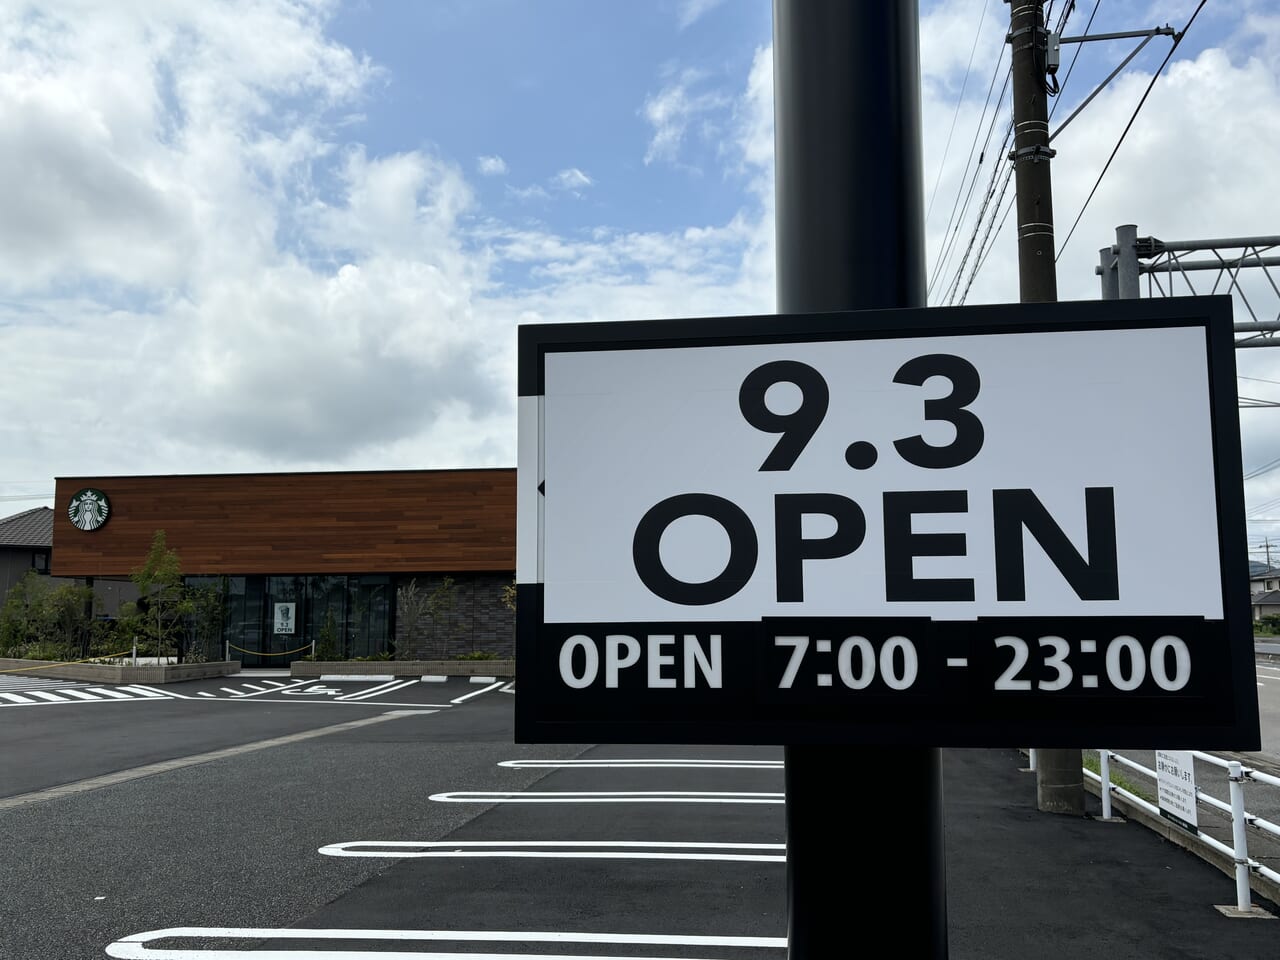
[(422, 819)]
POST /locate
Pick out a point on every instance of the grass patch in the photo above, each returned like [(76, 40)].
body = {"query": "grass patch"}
[(1094, 763)]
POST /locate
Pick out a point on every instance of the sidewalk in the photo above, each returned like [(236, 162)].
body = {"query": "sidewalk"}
[(1023, 884)]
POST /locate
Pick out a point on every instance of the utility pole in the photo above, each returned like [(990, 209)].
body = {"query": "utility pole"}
[(1059, 776)]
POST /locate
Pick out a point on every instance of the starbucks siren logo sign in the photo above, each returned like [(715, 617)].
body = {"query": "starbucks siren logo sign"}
[(89, 509)]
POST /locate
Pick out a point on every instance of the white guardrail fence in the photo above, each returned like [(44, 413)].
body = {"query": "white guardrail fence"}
[(1237, 775)]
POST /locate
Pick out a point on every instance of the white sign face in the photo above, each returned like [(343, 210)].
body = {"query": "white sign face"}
[(1176, 787), (286, 615), (908, 477), (974, 526)]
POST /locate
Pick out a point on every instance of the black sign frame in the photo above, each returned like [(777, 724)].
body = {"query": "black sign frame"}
[(1219, 710)]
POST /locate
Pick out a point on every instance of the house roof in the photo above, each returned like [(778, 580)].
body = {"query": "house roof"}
[(1269, 573), (31, 528), (1265, 599)]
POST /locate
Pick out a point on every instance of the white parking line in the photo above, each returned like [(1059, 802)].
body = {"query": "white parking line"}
[(388, 687), (165, 766), (145, 691), (80, 694), (16, 698), (115, 694), (162, 693), (468, 696), (51, 697), (606, 796), (560, 849), (647, 764), (358, 677), (133, 947)]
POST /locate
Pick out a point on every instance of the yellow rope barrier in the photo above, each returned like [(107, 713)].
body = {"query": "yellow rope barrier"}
[(263, 653), (66, 663)]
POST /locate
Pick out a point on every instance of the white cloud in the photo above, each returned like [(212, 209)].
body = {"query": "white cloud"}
[(525, 194), (193, 279), (491, 166), (672, 109), (692, 11), (571, 179)]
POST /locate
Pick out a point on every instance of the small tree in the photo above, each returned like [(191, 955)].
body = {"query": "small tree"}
[(326, 647), (163, 601), (45, 622)]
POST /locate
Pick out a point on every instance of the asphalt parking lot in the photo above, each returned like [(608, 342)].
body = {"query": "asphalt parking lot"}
[(407, 823)]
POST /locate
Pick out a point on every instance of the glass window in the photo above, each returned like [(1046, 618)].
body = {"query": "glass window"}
[(326, 615), (368, 615), (244, 620)]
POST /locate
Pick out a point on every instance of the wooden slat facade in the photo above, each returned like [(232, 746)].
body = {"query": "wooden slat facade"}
[(412, 521)]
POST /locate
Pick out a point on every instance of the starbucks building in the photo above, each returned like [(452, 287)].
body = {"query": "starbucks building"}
[(351, 564)]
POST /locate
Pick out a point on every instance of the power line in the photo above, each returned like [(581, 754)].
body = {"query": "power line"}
[(949, 237), (1177, 39), (992, 232), (955, 116), (1076, 54), (986, 151)]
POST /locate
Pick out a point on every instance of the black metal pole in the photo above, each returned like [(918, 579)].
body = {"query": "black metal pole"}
[(850, 235)]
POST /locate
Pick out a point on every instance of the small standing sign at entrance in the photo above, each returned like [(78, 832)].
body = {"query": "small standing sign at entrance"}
[(975, 526)]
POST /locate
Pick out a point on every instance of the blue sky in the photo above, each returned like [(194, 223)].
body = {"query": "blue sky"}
[(300, 234), (563, 85)]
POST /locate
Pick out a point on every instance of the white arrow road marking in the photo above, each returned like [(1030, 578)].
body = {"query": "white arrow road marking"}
[(674, 763), (284, 688), (606, 796), (559, 849), (134, 947), (319, 690)]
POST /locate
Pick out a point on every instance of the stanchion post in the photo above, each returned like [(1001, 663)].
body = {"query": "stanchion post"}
[(1239, 842), (1104, 768), (850, 236)]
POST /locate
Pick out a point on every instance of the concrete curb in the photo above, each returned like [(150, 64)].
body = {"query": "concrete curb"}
[(122, 673), (403, 668)]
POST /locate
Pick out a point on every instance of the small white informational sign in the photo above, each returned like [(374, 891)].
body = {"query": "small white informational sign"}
[(286, 614), (1176, 787)]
